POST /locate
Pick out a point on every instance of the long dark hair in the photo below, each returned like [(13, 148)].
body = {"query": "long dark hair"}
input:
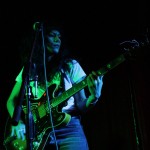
[(58, 61), (32, 51)]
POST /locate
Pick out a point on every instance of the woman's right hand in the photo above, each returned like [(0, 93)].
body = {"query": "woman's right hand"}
[(19, 130)]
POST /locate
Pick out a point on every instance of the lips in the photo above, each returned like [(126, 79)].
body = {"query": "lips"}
[(56, 46)]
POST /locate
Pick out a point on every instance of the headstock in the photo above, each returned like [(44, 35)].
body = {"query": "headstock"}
[(132, 48)]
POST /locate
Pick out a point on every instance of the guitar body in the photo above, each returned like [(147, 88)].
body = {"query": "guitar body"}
[(42, 127), (12, 143)]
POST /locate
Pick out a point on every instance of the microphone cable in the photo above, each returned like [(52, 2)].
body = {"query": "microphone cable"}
[(46, 85)]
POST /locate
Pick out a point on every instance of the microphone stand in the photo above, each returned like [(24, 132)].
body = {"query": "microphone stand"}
[(29, 116), (26, 90), (136, 125)]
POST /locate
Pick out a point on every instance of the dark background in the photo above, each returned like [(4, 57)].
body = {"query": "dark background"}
[(94, 31)]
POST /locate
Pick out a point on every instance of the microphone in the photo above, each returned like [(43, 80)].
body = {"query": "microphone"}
[(37, 26)]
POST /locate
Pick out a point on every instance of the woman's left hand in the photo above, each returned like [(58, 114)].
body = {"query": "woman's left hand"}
[(95, 84)]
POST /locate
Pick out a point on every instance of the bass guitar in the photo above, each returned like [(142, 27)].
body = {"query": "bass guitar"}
[(41, 113)]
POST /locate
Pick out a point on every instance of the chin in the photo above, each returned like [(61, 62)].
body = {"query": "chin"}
[(56, 51)]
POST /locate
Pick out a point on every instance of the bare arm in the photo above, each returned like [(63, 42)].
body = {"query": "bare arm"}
[(13, 98), (18, 130)]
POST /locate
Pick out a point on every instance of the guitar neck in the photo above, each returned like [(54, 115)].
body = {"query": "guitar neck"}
[(77, 87), (112, 64), (67, 94)]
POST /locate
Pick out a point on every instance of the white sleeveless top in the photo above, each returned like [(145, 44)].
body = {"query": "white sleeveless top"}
[(76, 74)]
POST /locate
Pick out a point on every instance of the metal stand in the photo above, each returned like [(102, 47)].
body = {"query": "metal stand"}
[(136, 126), (26, 90), (29, 117)]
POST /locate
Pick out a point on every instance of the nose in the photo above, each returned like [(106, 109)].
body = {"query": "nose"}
[(56, 38)]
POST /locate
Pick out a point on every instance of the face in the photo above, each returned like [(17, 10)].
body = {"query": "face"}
[(53, 42)]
